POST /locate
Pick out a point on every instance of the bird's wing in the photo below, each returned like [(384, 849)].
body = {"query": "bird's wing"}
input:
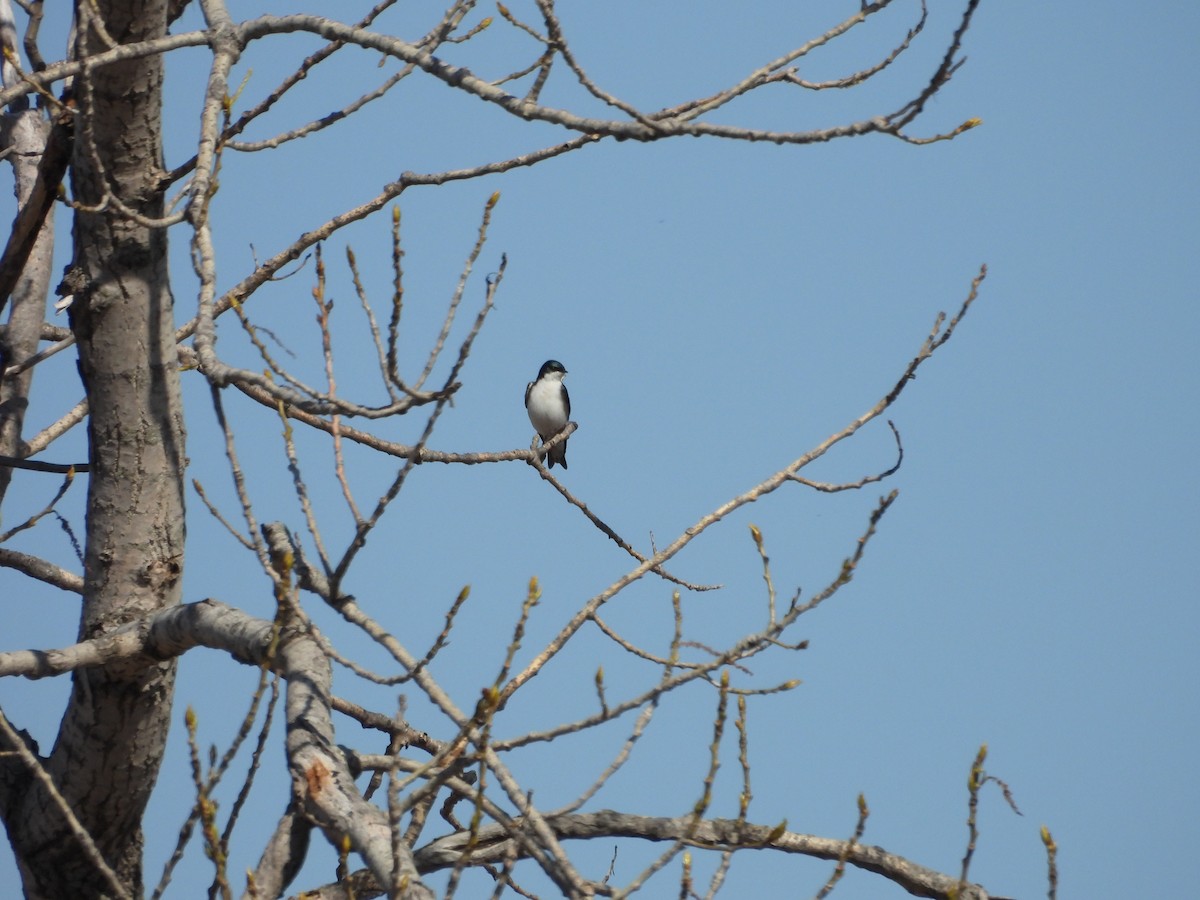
[(528, 388), (566, 401)]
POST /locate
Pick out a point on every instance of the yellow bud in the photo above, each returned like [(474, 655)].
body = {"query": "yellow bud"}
[(776, 832)]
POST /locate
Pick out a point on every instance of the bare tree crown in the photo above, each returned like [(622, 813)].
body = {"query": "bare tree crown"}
[(431, 790)]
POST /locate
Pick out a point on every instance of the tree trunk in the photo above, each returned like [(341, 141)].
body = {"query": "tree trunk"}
[(107, 754)]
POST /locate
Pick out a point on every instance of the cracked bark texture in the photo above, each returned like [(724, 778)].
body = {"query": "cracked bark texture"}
[(106, 757)]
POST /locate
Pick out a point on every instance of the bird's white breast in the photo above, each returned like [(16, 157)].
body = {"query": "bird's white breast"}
[(546, 410)]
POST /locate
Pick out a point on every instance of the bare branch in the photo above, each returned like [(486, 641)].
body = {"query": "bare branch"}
[(38, 153), (774, 70), (938, 80), (462, 79), (36, 208), (857, 78), (828, 488), (52, 432), (49, 508), (42, 570), (283, 856), (710, 834), (36, 465), (608, 532), (936, 339), (840, 869), (1051, 860)]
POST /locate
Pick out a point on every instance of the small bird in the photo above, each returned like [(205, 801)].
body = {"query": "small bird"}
[(549, 407)]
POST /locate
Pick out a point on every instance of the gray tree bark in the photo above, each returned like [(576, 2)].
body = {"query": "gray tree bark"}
[(106, 758), (25, 132)]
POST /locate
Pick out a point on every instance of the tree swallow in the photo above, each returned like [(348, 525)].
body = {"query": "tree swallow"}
[(549, 407)]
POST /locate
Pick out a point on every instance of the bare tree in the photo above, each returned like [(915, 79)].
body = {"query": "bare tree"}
[(74, 815)]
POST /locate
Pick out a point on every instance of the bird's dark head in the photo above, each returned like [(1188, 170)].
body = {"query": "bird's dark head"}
[(551, 365)]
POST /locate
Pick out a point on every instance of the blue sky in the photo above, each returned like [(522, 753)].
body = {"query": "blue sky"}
[(722, 308)]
